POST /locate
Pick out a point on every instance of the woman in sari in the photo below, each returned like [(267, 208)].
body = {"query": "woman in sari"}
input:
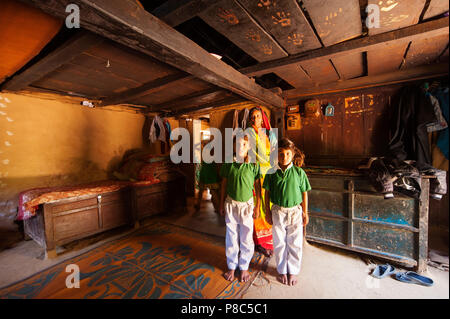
[(265, 142)]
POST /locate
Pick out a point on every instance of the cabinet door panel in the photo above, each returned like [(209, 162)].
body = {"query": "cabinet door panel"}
[(75, 225), (152, 204), (115, 214)]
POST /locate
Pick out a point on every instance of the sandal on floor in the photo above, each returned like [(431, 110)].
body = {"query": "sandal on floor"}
[(382, 271), (411, 277)]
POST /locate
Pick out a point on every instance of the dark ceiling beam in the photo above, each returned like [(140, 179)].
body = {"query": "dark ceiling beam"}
[(196, 98), (210, 105), (145, 89), (79, 43), (126, 22), (405, 35), (175, 12), (401, 76)]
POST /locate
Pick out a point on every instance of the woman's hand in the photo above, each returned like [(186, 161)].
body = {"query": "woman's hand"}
[(256, 212), (269, 218)]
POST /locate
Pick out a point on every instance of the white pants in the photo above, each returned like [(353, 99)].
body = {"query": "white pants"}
[(287, 233), (239, 235)]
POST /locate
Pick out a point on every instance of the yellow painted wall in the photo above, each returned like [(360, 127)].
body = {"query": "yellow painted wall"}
[(52, 142)]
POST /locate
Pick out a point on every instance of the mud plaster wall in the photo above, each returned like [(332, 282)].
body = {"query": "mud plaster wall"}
[(51, 143)]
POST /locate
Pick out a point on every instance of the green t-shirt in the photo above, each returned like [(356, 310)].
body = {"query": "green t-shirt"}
[(286, 187), (240, 179), (208, 173)]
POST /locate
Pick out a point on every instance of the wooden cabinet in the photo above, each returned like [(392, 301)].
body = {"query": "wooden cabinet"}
[(66, 220), (158, 198)]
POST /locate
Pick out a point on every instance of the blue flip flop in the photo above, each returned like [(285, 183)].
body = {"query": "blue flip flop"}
[(382, 271), (411, 277)]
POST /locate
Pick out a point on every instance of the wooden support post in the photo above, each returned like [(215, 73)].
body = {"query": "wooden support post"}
[(423, 225), (50, 254), (351, 211), (50, 246)]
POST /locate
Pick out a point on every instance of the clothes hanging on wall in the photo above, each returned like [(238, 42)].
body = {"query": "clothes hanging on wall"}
[(441, 93), (157, 130), (408, 131), (244, 113), (245, 119), (235, 120), (168, 130), (441, 123)]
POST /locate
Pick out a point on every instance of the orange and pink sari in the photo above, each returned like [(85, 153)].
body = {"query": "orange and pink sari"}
[(262, 229)]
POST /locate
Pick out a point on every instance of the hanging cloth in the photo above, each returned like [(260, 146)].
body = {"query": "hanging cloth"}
[(440, 123), (245, 118), (157, 130), (442, 95), (235, 119), (168, 130)]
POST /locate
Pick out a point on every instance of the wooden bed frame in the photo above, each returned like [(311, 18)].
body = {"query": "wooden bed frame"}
[(62, 221)]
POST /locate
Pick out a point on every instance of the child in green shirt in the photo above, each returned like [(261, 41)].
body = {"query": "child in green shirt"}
[(287, 190), (238, 182), (208, 179)]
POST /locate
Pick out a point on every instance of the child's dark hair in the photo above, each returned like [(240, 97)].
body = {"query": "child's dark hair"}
[(299, 156)]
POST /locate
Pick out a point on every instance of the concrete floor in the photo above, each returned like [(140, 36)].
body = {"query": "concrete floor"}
[(326, 272)]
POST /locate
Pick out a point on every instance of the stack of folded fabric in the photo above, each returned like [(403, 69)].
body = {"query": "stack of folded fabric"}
[(389, 174)]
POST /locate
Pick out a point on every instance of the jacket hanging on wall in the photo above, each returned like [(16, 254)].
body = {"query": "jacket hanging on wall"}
[(441, 94), (441, 123), (408, 131)]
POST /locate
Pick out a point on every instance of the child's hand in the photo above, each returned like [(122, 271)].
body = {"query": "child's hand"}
[(256, 212), (305, 218)]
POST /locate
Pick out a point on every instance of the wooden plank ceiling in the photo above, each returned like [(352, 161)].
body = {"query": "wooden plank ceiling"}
[(311, 45)]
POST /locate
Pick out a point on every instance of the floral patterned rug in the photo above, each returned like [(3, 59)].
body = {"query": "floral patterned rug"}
[(157, 261)]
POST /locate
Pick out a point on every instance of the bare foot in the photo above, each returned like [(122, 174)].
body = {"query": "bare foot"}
[(292, 280), (229, 275), (282, 278), (245, 275)]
